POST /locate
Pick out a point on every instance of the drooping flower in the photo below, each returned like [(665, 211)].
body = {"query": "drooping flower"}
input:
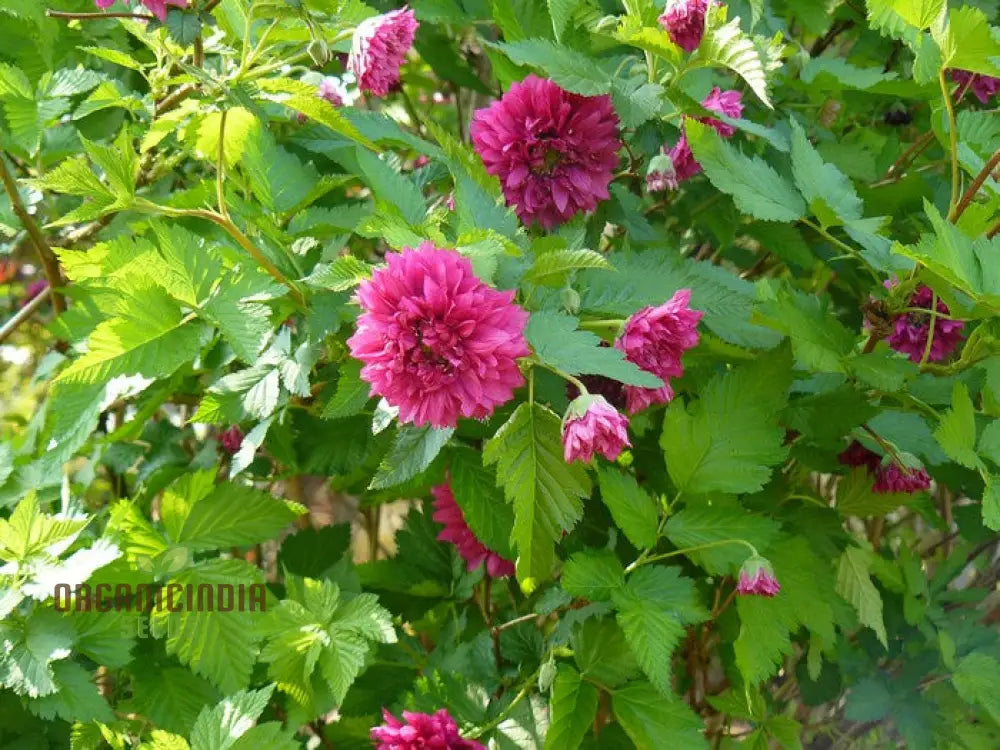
[(757, 578), (728, 103), (655, 339), (684, 21), (890, 476), (437, 342), (554, 152), (379, 48), (911, 329), (157, 7), (983, 87), (231, 440), (592, 425), (416, 731), (660, 175), (331, 89), (457, 531), (894, 477), (857, 454)]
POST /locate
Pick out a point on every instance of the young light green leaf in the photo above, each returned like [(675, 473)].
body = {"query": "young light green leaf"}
[(726, 44)]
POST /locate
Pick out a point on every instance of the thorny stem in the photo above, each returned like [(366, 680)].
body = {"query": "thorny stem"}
[(977, 183), (953, 137), (45, 254)]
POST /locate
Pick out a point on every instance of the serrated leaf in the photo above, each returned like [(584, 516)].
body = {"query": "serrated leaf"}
[(301, 97), (545, 491), (557, 342), (977, 680), (704, 524), (219, 728), (561, 12), (726, 44), (476, 493), (183, 27), (969, 42), (956, 432), (572, 70), (573, 707), (654, 721), (855, 585), (352, 392), (344, 273), (412, 451), (756, 188), (593, 575), (728, 440), (829, 192), (553, 267), (856, 497), (632, 509), (172, 698)]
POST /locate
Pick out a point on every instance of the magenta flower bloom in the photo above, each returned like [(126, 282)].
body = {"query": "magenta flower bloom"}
[(332, 90), (592, 425), (157, 7), (437, 342), (757, 578), (728, 103), (231, 440), (437, 731), (684, 21), (554, 152), (857, 455), (911, 330), (457, 531), (983, 87), (33, 289), (685, 165), (660, 175), (896, 478), (379, 48), (655, 339)]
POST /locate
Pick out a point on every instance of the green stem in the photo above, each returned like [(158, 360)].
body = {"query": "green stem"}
[(930, 329), (687, 550), (567, 377), (521, 695), (597, 325), (953, 136)]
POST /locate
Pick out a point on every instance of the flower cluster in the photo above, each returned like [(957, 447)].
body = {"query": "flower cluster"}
[(983, 87), (683, 165), (554, 152), (911, 329), (457, 531), (592, 425), (655, 339), (437, 731), (157, 7), (684, 21), (379, 48), (437, 342), (889, 477)]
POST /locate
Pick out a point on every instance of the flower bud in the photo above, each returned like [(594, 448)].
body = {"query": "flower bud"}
[(757, 578)]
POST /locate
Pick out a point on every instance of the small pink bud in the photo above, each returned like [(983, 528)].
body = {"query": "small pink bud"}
[(757, 578)]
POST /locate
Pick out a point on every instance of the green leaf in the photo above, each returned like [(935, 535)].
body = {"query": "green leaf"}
[(149, 337), (482, 503), (704, 524), (557, 342), (193, 267), (727, 45), (553, 267), (561, 12), (301, 97), (574, 705), (652, 610), (918, 13), (245, 325), (31, 647), (956, 432), (969, 42), (819, 340), (654, 721), (228, 515), (756, 188), (632, 509), (344, 273), (991, 503), (572, 70), (593, 575), (172, 697), (855, 497), (977, 680), (412, 451), (219, 728), (277, 178), (352, 392), (827, 190), (545, 491), (217, 645), (388, 184), (183, 27), (728, 440), (855, 585)]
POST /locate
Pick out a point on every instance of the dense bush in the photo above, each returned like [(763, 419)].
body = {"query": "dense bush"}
[(532, 373)]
